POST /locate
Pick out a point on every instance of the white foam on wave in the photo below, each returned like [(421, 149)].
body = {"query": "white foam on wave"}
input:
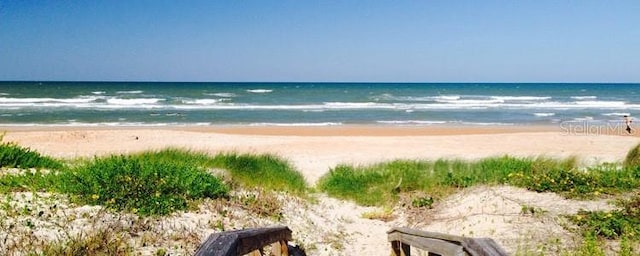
[(354, 104), (4, 94), (584, 97), (411, 122), (259, 90), (472, 101), (446, 97), (130, 92), (98, 92), (521, 98), (297, 124), (203, 101), (544, 114), (137, 101), (483, 123), (83, 99), (222, 94), (601, 103), (616, 114)]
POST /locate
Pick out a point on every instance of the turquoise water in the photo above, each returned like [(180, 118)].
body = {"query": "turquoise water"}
[(312, 104)]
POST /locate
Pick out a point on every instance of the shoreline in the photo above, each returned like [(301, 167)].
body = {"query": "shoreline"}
[(351, 130), (357, 130)]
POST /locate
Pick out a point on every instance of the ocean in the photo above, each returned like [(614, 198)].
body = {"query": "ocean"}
[(312, 104)]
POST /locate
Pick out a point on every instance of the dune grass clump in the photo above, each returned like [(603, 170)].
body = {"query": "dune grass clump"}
[(14, 156), (376, 184), (102, 242), (380, 184), (150, 183), (632, 160), (28, 181), (262, 171)]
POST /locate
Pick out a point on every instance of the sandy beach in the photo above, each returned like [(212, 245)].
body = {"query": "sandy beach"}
[(314, 150)]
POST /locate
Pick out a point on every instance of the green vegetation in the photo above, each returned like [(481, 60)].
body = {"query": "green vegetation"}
[(624, 222), (28, 181), (14, 156), (161, 182), (102, 242), (633, 157), (606, 178), (148, 183), (380, 184), (158, 182), (262, 171)]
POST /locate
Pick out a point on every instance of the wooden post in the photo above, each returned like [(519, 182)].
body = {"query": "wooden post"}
[(400, 249), (279, 248), (284, 248)]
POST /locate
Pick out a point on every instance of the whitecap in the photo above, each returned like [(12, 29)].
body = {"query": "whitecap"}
[(595, 103), (544, 114), (410, 122), (521, 98), (259, 90), (203, 101), (297, 124), (222, 94), (49, 100), (616, 114), (118, 101), (130, 92), (584, 97)]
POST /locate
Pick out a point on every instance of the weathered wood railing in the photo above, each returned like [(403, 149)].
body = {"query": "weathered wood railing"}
[(402, 239), (241, 242)]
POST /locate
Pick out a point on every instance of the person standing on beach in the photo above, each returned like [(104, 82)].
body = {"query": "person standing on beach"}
[(627, 122)]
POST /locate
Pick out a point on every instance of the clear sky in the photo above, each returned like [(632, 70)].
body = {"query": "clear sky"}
[(324, 40)]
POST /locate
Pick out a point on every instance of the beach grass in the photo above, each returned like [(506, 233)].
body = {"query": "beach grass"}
[(633, 157), (380, 184), (159, 182), (267, 172), (150, 183), (15, 156)]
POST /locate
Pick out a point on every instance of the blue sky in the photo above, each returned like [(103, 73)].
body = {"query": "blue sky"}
[(298, 40)]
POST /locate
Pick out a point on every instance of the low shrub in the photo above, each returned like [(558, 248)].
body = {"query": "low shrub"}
[(149, 183), (606, 178), (624, 222)]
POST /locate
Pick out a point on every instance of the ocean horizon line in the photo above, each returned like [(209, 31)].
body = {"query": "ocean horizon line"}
[(302, 82)]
